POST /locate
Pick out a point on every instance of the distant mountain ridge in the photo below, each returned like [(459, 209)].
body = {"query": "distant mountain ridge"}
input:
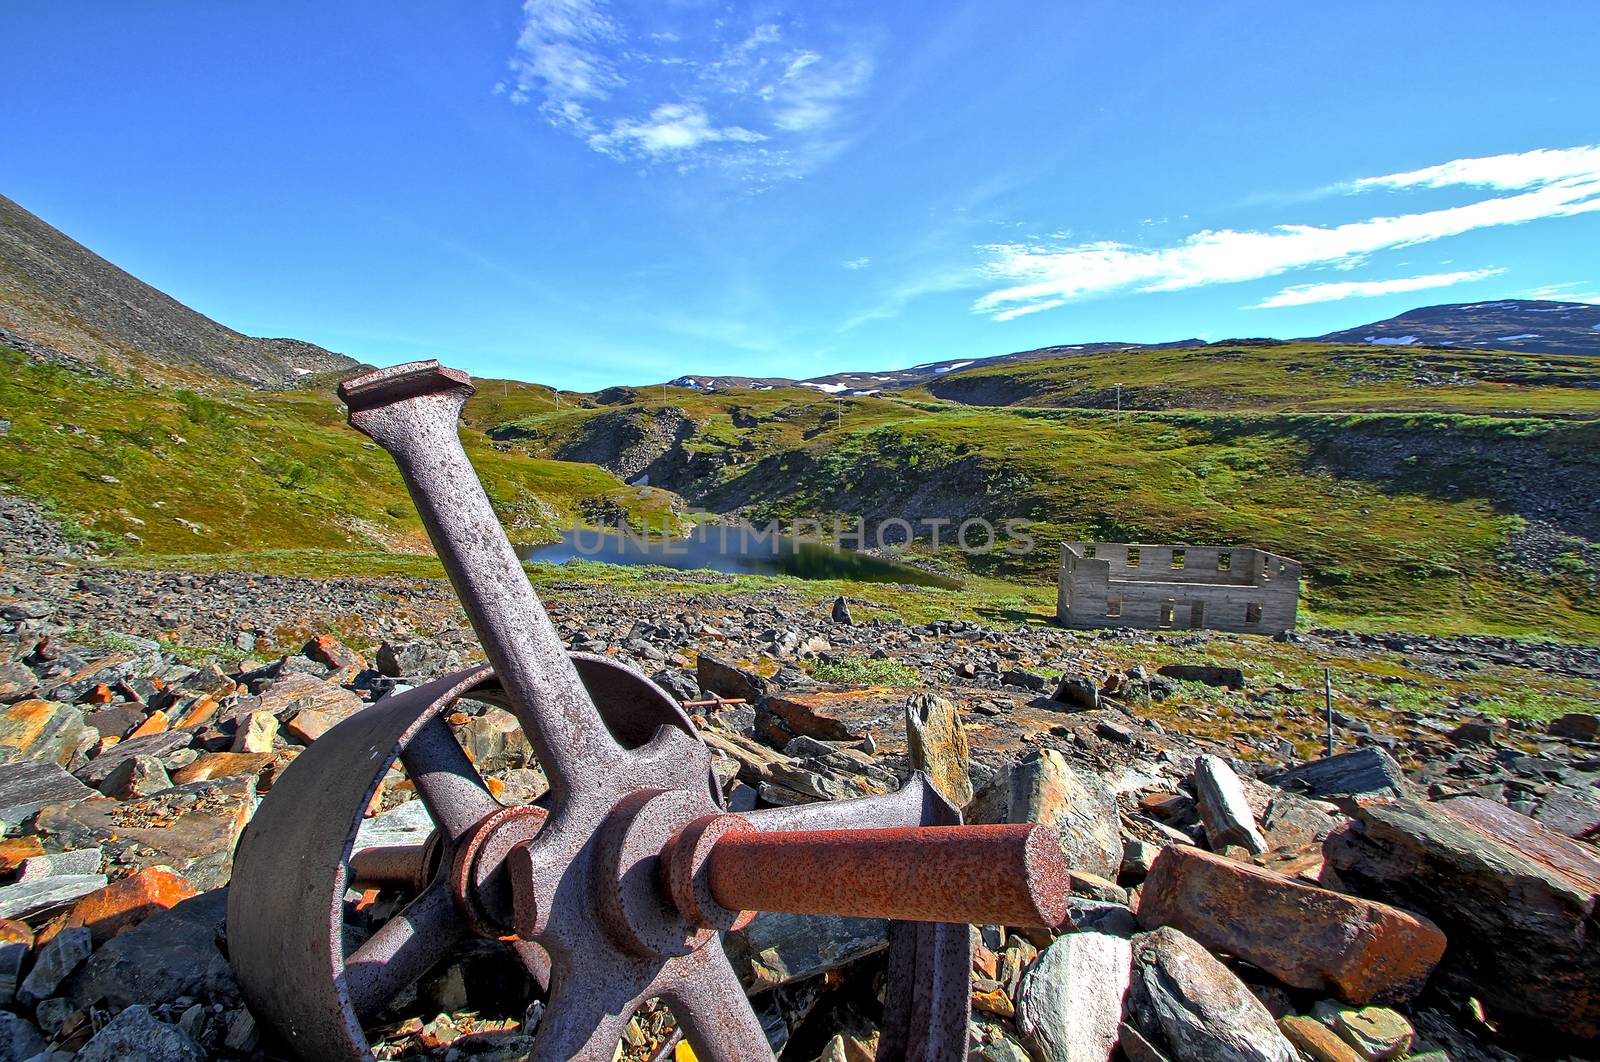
[(1530, 326), (60, 301)]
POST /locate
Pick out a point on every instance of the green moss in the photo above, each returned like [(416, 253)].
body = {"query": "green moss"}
[(864, 671)]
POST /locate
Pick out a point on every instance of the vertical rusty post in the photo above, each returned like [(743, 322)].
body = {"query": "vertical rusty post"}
[(412, 411)]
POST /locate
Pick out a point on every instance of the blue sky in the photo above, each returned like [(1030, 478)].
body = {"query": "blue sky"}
[(587, 192)]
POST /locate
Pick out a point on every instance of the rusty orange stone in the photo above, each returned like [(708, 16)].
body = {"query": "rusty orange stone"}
[(201, 711), (994, 1002), (106, 912), (154, 723), (223, 765), (1360, 950), (15, 932), (13, 850), (101, 694)]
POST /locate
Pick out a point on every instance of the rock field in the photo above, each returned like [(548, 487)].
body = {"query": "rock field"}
[(1430, 892)]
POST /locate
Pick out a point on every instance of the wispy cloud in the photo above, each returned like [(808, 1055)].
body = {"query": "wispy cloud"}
[(1572, 291), (1041, 275), (1303, 294), (688, 85), (858, 263)]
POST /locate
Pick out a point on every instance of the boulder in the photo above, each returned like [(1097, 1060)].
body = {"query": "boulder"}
[(1069, 1006), (1075, 691), (128, 901), (191, 828), (1304, 936), (45, 731), (28, 785), (19, 1040), (1366, 771), (1518, 902), (936, 743), (34, 900), (16, 940), (1579, 726), (719, 677), (832, 715), (1373, 1033), (159, 746), (170, 955), (1044, 787), (1191, 1007), (841, 612), (1231, 678), (136, 1033), (1224, 811), (55, 964), (306, 693), (1570, 810)]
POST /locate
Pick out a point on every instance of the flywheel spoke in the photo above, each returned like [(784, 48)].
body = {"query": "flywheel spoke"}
[(713, 1010), (446, 780), (403, 950)]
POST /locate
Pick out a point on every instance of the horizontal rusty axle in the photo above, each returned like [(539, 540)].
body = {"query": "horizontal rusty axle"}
[(1011, 874)]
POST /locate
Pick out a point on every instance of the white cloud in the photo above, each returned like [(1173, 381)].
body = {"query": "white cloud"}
[(671, 128), (688, 84), (1527, 169), (1037, 276), (1303, 294), (858, 263)]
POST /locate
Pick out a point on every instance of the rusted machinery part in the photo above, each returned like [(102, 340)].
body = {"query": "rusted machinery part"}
[(719, 869), (286, 927), (582, 885)]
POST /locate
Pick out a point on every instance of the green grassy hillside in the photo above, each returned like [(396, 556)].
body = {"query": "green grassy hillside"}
[(1308, 377), (1438, 521), (151, 470)]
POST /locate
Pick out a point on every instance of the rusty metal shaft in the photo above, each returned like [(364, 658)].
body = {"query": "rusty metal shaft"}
[(1009, 875)]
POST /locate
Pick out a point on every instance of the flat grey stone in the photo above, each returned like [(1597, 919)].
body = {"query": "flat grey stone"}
[(158, 745), (407, 824), (29, 899), (79, 861), (27, 786)]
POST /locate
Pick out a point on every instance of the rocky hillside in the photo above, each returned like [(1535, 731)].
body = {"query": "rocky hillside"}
[(61, 301), (1509, 324)]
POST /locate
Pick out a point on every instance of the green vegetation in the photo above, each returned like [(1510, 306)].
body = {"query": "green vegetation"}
[(150, 471), (864, 671)]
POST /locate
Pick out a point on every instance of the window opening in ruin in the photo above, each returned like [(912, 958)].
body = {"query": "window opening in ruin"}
[(1252, 612), (1197, 614), (1113, 604), (1169, 612), (1133, 556), (1266, 569), (1224, 561), (1179, 558), (1088, 553)]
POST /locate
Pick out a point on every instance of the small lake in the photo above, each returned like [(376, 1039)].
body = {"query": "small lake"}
[(734, 550)]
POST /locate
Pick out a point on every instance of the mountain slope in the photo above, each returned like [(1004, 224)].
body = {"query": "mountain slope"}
[(62, 302), (1263, 375), (1509, 324)]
